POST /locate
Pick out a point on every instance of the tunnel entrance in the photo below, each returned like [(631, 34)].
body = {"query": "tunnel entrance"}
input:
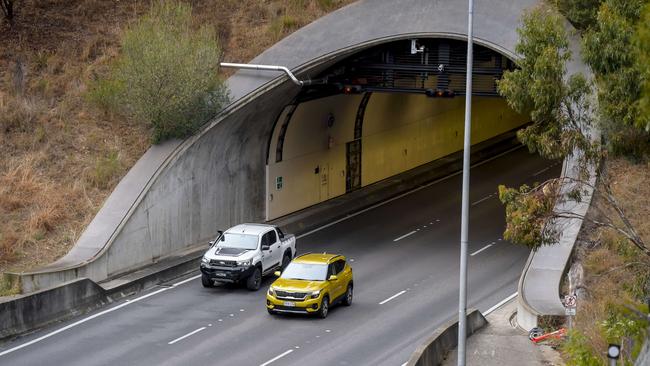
[(379, 113)]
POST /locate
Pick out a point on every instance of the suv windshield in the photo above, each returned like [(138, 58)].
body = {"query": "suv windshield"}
[(235, 240), (305, 271)]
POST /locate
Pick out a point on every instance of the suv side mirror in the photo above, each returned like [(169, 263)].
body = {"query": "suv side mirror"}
[(333, 278), (211, 243), (265, 247), (277, 273)]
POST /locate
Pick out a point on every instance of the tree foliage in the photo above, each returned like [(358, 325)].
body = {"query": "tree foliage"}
[(562, 117), (167, 73), (642, 53), (608, 47), (559, 109), (581, 13)]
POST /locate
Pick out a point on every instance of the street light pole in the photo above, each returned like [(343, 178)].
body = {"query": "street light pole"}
[(464, 225)]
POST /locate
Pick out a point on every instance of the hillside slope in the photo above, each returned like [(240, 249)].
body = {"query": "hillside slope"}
[(60, 157)]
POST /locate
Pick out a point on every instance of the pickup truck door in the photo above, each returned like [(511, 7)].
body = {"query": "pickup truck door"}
[(272, 256)]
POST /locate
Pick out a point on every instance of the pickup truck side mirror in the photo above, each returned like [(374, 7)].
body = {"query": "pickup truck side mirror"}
[(266, 247)]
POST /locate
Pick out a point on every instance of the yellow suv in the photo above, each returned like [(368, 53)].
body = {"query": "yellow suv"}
[(310, 284)]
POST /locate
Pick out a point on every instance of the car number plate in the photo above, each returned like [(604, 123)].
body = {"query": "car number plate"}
[(289, 303), (220, 274)]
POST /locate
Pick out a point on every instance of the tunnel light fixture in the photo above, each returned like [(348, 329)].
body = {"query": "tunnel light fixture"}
[(439, 93), (352, 89)]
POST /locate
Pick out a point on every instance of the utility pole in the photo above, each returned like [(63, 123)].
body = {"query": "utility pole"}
[(464, 225)]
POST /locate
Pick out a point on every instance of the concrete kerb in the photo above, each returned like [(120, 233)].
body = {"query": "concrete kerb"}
[(434, 349)]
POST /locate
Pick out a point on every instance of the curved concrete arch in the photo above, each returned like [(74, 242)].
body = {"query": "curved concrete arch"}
[(181, 192)]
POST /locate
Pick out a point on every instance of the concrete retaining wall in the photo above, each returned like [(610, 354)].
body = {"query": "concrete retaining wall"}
[(435, 349)]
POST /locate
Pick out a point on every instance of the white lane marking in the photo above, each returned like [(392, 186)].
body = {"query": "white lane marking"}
[(482, 199), (79, 322), (500, 304), (392, 297), (405, 235), (82, 321), (407, 193), (482, 249), (186, 280), (542, 171), (405, 363), (277, 357), (187, 335)]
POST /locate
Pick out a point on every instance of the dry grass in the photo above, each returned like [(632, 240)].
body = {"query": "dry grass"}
[(61, 158), (616, 272)]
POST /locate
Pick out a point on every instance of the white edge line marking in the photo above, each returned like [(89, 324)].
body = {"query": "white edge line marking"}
[(405, 363), (405, 235), (407, 193), (481, 200), (187, 335), (277, 357), (542, 171), (480, 250), (186, 280), (500, 304), (392, 297), (93, 317)]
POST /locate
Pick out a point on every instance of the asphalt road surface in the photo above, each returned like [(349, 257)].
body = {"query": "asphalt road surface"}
[(404, 254)]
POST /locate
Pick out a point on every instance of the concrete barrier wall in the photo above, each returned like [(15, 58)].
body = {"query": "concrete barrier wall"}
[(40, 308), (434, 350)]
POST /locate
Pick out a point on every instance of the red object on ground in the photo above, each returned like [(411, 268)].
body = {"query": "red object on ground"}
[(557, 334)]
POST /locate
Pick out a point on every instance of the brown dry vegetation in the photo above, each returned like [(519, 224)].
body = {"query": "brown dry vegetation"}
[(616, 272), (60, 157)]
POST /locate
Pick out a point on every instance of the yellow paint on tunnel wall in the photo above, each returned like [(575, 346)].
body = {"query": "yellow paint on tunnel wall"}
[(403, 131), (400, 132)]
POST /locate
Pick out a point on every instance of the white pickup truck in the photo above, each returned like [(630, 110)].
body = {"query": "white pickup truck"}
[(246, 252)]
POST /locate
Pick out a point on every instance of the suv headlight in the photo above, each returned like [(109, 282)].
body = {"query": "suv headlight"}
[(205, 260), (245, 263), (315, 294), (271, 291)]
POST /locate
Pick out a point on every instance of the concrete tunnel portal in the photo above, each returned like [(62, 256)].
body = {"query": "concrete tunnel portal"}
[(378, 113)]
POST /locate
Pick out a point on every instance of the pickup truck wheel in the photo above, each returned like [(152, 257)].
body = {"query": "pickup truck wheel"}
[(206, 281), (324, 307), (285, 261), (254, 280), (347, 300)]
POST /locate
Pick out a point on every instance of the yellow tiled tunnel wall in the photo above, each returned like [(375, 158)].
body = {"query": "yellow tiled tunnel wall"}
[(400, 132)]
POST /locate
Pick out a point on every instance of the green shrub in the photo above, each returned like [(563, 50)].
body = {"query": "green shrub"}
[(105, 170), (578, 352), (167, 73)]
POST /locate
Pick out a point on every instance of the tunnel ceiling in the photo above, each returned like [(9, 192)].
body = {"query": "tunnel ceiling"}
[(428, 66)]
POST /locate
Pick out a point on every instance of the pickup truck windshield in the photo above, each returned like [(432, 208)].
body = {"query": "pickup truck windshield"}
[(235, 240), (305, 271)]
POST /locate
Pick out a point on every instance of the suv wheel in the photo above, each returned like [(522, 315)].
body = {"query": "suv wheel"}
[(347, 300), (324, 307), (254, 280), (206, 281)]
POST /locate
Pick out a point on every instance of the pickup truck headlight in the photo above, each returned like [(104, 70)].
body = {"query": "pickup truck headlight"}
[(315, 294), (245, 263), (205, 260)]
